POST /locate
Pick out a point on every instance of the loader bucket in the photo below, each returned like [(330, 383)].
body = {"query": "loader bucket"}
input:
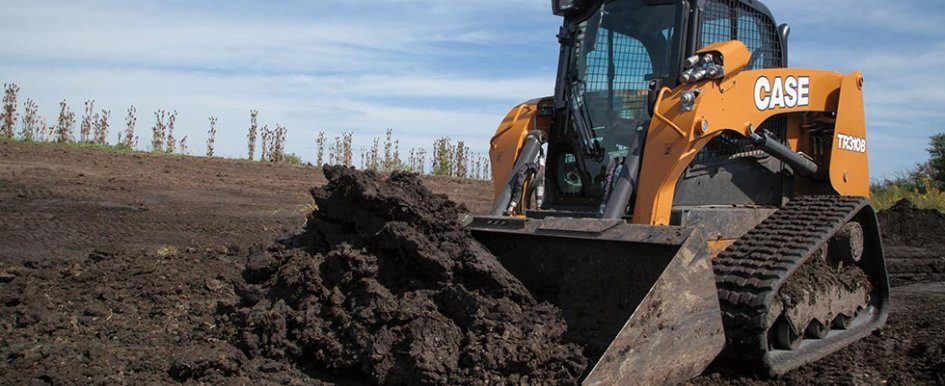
[(640, 299)]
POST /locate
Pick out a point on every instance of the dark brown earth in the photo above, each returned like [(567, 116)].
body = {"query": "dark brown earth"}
[(385, 286), (133, 268), (60, 202)]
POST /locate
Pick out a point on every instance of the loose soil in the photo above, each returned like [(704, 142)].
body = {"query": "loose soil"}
[(385, 286), (137, 268)]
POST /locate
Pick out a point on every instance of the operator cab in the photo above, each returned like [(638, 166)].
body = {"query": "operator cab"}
[(615, 56)]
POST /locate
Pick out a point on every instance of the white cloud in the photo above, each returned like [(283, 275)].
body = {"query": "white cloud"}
[(425, 68), (149, 35), (507, 89), (358, 66), (303, 104), (899, 47)]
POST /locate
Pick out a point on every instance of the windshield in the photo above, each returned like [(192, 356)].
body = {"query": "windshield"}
[(617, 51)]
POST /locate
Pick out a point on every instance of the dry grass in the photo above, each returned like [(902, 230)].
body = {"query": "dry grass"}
[(211, 136), (131, 120), (320, 148), (170, 140), (65, 123), (30, 120), (383, 156), (8, 115), (169, 251), (253, 132), (100, 127), (308, 208)]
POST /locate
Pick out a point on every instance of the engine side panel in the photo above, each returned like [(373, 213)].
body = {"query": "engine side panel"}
[(749, 180)]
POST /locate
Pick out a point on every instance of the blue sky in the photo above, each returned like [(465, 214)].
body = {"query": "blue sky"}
[(425, 68)]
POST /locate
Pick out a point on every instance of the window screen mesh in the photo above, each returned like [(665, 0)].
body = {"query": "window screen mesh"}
[(631, 66), (725, 20)]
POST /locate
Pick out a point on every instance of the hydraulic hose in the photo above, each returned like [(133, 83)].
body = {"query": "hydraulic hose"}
[(528, 155), (626, 183)]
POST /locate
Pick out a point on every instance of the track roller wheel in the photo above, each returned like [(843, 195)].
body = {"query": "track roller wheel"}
[(786, 338), (842, 322), (816, 330)]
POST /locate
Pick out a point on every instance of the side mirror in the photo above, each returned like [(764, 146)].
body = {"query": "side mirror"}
[(784, 31)]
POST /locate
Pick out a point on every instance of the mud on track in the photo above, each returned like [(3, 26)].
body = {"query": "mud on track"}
[(910, 350), (91, 293)]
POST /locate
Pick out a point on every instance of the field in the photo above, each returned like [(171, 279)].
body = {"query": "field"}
[(117, 267)]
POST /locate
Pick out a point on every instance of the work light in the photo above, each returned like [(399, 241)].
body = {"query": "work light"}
[(566, 7)]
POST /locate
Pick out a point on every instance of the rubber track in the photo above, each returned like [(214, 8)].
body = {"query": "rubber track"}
[(751, 271)]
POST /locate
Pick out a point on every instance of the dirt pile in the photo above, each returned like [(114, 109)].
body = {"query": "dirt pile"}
[(905, 224), (914, 241), (384, 286)]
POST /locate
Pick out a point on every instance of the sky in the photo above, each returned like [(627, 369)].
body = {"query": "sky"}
[(423, 68)]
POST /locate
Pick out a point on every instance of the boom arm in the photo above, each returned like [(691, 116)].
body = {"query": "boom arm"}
[(740, 102)]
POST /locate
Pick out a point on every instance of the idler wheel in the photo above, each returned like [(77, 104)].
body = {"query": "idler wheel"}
[(847, 245)]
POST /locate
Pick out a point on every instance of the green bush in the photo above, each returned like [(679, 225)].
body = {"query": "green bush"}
[(292, 159), (887, 195), (923, 185)]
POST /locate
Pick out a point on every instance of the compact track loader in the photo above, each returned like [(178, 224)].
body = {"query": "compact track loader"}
[(686, 197)]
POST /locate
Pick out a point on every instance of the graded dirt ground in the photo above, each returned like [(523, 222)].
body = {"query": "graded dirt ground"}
[(131, 268)]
